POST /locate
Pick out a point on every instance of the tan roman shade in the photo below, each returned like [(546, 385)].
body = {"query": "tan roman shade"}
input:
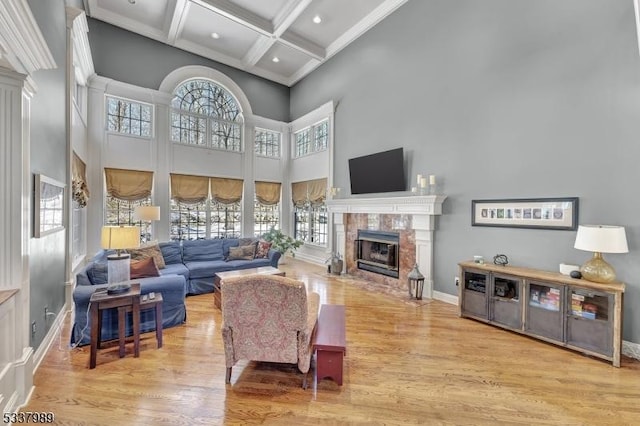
[(311, 191), (226, 191), (79, 181), (317, 191), (189, 189), (268, 193), (130, 185)]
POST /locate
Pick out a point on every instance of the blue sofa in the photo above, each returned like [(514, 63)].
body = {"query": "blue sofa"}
[(190, 267)]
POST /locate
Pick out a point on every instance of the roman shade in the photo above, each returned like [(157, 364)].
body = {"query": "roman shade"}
[(268, 193), (189, 189), (313, 192), (79, 181), (129, 185), (226, 191)]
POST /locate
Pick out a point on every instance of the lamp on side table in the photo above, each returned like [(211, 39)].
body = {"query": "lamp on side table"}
[(119, 264)]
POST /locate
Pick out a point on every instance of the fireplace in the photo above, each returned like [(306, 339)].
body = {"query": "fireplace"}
[(413, 217), (378, 251)]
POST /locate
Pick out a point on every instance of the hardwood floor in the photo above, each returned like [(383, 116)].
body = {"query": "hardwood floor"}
[(405, 364)]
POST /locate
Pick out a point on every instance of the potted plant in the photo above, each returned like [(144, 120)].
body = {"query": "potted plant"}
[(281, 242)]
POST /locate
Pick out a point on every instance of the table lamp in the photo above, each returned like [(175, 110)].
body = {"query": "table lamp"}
[(119, 264), (600, 239), (146, 214)]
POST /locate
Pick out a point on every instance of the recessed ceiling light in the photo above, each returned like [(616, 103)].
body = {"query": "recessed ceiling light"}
[(317, 19), (276, 59), (215, 35)]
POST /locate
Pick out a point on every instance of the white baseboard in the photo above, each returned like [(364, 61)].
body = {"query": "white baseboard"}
[(445, 297), (631, 349), (49, 338)]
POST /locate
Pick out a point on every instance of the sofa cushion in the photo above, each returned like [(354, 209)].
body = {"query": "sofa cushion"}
[(227, 243), (202, 250), (245, 264), (148, 250), (144, 268), (175, 269), (241, 253), (207, 269), (98, 273), (171, 252), (262, 250)]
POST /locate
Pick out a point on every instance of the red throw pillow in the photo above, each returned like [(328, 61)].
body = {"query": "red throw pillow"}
[(144, 268), (262, 251)]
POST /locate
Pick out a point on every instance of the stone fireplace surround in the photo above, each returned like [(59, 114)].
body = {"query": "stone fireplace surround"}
[(413, 217)]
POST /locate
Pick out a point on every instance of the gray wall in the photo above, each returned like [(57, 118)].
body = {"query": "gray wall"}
[(499, 99), (48, 156), (131, 58)]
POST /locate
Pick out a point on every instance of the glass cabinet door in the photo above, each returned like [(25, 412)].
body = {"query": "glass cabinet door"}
[(505, 305), (544, 309), (588, 320), (475, 286)]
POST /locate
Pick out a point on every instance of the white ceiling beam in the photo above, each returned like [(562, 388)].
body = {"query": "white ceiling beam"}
[(238, 14), (303, 45), (288, 14), (258, 50), (178, 19)]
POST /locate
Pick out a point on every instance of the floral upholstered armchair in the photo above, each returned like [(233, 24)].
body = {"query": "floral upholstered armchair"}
[(268, 318)]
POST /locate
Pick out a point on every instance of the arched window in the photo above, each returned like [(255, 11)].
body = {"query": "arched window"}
[(206, 114)]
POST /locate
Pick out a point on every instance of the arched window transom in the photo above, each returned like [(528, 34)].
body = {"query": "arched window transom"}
[(206, 114)]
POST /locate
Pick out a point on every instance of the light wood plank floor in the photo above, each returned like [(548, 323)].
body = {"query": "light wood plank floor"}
[(405, 364)]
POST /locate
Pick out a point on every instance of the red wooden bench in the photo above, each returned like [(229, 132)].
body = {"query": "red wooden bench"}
[(329, 342)]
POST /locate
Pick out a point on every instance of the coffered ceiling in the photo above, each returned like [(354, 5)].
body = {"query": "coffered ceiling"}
[(281, 40)]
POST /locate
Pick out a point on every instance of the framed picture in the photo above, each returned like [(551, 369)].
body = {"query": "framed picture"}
[(539, 213), (48, 206)]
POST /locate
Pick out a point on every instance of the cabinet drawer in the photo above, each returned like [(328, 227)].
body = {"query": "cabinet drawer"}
[(475, 303), (507, 312), (592, 334)]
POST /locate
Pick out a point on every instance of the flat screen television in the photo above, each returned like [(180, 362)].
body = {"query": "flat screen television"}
[(379, 172)]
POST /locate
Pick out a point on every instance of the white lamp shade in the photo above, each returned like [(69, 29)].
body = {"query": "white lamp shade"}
[(146, 213), (120, 237), (602, 239)]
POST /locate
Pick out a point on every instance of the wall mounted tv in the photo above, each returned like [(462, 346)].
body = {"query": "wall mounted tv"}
[(379, 172)]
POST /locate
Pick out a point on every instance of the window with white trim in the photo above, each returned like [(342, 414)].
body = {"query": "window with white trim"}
[(265, 217), (129, 117), (120, 212), (310, 224), (267, 143), (206, 114), (207, 219), (312, 139)]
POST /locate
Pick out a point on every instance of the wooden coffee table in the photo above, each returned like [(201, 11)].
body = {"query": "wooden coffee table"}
[(221, 276)]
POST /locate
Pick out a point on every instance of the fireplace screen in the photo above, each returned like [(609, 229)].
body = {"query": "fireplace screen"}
[(377, 251)]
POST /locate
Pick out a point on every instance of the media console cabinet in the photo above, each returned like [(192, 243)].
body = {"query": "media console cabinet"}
[(574, 313)]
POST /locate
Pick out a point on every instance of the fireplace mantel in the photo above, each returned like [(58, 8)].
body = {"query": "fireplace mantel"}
[(419, 204), (422, 208)]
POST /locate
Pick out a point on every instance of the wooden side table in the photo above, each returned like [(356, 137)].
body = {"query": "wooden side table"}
[(156, 304), (101, 300), (329, 342)]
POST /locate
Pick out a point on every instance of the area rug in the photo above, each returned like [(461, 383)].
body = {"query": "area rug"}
[(375, 287)]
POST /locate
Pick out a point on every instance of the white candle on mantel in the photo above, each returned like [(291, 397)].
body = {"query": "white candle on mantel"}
[(418, 179), (423, 182), (432, 179)]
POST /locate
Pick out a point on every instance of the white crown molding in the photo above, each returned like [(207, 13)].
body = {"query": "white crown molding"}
[(178, 19), (238, 14), (303, 45), (82, 59), (421, 205), (21, 39), (287, 15)]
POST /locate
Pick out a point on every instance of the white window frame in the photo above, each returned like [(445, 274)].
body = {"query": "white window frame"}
[(267, 131), (313, 143), (131, 102)]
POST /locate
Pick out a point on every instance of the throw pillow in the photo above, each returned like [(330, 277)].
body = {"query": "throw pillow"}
[(98, 273), (145, 251), (247, 241), (262, 251), (144, 268), (241, 253)]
